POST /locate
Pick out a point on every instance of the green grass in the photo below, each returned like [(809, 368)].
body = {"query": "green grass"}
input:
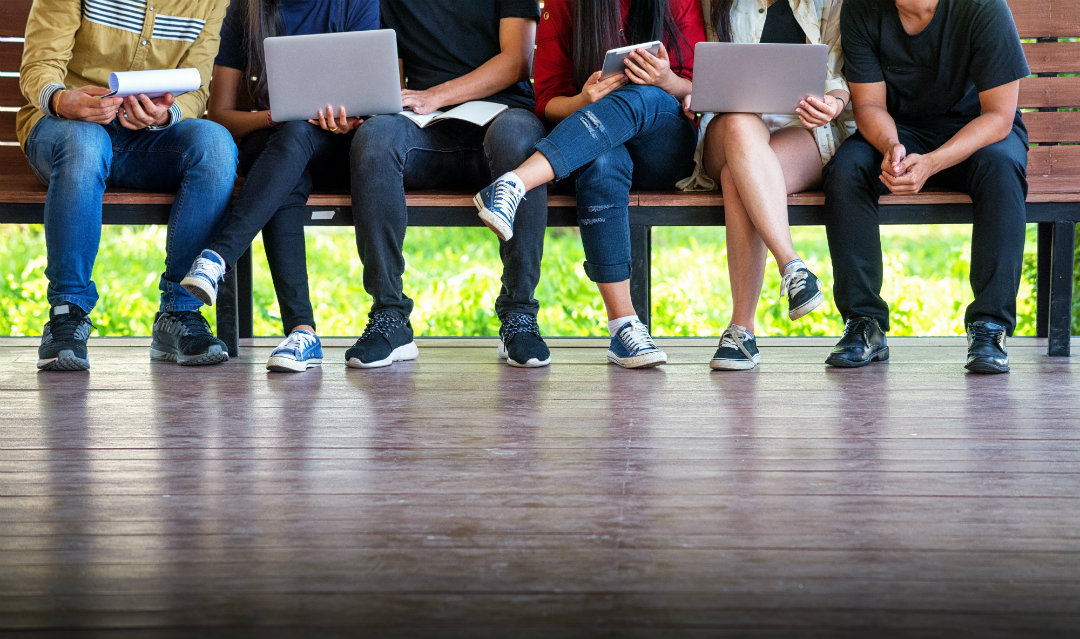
[(453, 276)]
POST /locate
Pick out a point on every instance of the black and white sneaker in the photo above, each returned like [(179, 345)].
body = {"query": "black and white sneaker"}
[(386, 339), (803, 289), (63, 340), (184, 337), (520, 343), (737, 352)]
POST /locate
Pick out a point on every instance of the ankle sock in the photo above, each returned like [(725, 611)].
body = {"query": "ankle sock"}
[(793, 266), (513, 178), (614, 325)]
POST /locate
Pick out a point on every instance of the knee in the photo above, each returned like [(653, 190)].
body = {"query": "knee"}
[(614, 165), (210, 145), (999, 164), (84, 149), (378, 140), (513, 134)]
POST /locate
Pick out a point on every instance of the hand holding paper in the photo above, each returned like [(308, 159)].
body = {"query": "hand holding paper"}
[(154, 83)]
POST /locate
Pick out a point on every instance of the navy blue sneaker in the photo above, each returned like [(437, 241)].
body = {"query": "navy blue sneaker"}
[(204, 275), (300, 351), (184, 337), (633, 347), (386, 339), (737, 352), (63, 340), (520, 343), (497, 204)]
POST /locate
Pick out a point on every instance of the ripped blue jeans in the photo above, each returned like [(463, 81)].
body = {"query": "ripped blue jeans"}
[(634, 137)]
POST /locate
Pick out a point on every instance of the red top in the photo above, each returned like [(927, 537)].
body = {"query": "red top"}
[(553, 71)]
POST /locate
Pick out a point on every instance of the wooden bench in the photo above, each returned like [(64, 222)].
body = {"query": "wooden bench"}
[(1053, 170)]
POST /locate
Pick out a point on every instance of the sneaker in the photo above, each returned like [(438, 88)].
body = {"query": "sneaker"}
[(803, 290), (633, 347), (520, 343), (737, 352), (300, 351), (863, 342), (497, 204), (203, 277), (63, 340), (184, 337), (986, 348), (386, 339)]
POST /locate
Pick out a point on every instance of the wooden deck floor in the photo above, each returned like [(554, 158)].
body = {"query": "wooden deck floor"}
[(455, 496)]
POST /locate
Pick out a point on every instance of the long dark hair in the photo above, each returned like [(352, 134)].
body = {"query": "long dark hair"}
[(262, 20), (596, 29), (721, 19)]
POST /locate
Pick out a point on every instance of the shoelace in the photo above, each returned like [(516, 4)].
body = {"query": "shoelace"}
[(297, 341), (793, 283), (734, 337), (981, 332), (63, 327), (519, 323), (192, 321), (636, 337), (858, 325), (381, 324), (505, 198), (211, 267)]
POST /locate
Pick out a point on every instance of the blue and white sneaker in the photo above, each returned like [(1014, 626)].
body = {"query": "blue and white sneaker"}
[(498, 203), (203, 277), (633, 347), (738, 350), (300, 351)]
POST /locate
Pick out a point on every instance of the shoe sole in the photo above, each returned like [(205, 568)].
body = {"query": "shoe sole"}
[(493, 221), (281, 364), (814, 302), (532, 363), (648, 360), (197, 286), (215, 355), (734, 364), (839, 362), (399, 354), (64, 361), (986, 369)]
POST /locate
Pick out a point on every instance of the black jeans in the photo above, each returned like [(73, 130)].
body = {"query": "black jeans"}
[(281, 165), (996, 179), (390, 154)]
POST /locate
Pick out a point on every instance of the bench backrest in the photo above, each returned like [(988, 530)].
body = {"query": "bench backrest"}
[(1054, 130)]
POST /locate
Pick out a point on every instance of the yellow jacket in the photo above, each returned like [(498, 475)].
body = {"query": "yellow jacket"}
[(74, 43)]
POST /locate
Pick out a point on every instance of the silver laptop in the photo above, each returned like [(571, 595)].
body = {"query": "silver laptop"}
[(756, 78), (354, 69)]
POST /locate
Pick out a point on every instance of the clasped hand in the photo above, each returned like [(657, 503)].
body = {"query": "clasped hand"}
[(903, 173)]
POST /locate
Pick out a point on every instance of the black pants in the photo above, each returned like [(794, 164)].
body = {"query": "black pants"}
[(390, 154), (994, 177)]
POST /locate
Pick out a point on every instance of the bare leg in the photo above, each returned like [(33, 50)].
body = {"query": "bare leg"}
[(746, 255), (617, 299), (535, 171)]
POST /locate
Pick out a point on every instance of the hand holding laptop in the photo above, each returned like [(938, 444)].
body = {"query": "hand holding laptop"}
[(340, 123), (814, 111)]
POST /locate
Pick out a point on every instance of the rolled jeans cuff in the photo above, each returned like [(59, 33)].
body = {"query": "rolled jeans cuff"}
[(607, 273), (554, 157)]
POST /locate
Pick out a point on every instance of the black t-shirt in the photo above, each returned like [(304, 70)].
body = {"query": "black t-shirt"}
[(969, 46), (781, 27), (439, 40)]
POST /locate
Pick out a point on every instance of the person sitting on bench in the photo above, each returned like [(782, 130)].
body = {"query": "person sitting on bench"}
[(934, 84), (78, 141)]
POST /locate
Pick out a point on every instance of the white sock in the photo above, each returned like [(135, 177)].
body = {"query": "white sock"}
[(614, 325), (793, 266), (511, 177)]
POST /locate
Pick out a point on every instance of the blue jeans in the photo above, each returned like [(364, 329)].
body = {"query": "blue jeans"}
[(77, 160), (390, 154), (634, 137), (280, 167)]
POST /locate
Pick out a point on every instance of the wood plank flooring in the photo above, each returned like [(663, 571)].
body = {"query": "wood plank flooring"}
[(457, 497)]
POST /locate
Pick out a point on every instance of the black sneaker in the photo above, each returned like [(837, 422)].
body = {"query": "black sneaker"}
[(184, 337), (386, 339), (986, 348), (520, 343), (803, 290), (63, 340), (863, 342), (737, 351)]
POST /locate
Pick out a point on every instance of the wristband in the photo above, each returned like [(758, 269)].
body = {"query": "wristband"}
[(269, 120), (56, 109)]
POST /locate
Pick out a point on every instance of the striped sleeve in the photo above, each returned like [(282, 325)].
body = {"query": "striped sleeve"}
[(50, 36)]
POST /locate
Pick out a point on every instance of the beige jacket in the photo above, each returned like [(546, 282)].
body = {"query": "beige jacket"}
[(74, 43)]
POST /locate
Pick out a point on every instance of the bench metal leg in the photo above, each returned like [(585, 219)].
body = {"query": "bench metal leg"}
[(1043, 270), (1061, 289), (641, 271), (245, 295), (227, 319)]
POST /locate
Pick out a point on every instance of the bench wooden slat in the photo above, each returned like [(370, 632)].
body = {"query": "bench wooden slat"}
[(13, 15), (1049, 92), (1053, 57), (10, 56), (10, 95), (7, 126), (1054, 161), (1053, 126), (1046, 18)]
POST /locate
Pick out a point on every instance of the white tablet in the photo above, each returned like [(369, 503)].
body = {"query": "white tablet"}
[(756, 78), (613, 59), (354, 69)]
